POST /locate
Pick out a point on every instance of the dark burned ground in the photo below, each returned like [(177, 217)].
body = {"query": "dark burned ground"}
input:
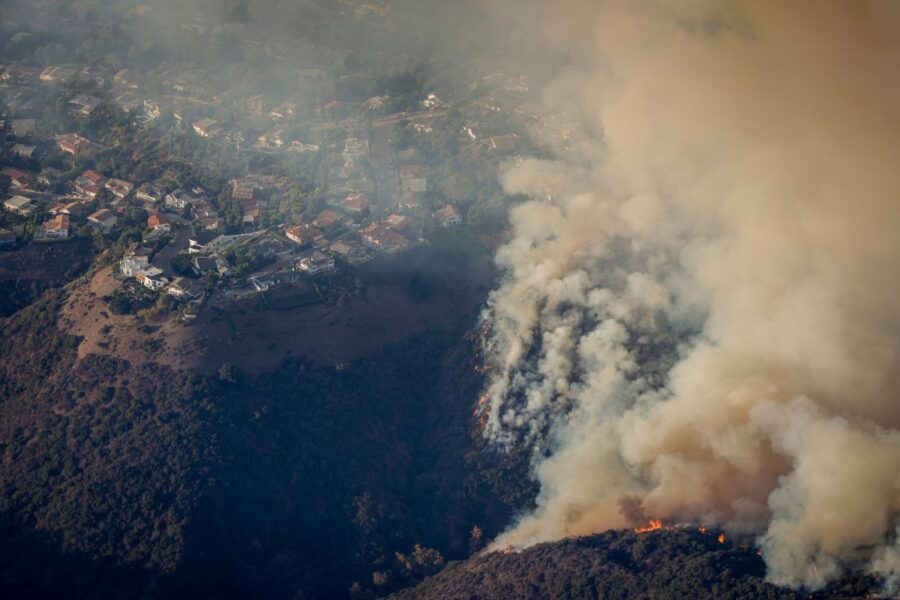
[(28, 271), (439, 287), (680, 563)]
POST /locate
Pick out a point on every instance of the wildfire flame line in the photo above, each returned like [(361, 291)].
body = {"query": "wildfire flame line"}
[(657, 524), (653, 525)]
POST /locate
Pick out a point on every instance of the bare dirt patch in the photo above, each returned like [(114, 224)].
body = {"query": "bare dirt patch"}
[(85, 314)]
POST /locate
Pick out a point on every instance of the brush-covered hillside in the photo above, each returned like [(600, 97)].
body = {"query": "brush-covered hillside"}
[(128, 471), (681, 563)]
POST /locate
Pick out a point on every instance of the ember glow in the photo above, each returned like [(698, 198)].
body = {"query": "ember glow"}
[(653, 525)]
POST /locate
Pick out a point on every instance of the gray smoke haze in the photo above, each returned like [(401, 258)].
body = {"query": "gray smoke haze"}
[(700, 305)]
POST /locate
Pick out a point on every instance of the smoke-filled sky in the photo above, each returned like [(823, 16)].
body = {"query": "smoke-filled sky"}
[(700, 305)]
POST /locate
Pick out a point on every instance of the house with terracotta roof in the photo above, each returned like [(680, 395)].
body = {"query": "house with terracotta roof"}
[(17, 177), (75, 210), (379, 236), (73, 143), (303, 234), (157, 222), (330, 219), (244, 190), (406, 225), (355, 202), (88, 184), (54, 230), (448, 216)]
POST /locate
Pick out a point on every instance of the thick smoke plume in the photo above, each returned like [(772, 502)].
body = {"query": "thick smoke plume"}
[(700, 313)]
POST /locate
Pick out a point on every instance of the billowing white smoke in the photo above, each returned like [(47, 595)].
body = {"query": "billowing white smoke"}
[(700, 307)]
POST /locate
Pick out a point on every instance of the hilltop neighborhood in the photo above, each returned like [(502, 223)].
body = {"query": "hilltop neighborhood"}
[(200, 190)]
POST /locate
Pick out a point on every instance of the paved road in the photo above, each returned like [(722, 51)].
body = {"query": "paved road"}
[(35, 195)]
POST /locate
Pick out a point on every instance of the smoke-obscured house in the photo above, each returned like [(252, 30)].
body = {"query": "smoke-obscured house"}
[(72, 143), (84, 104), (351, 251), (379, 236), (23, 150), (207, 128), (448, 216), (355, 202), (328, 220)]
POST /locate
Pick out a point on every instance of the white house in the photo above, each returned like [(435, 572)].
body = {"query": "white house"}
[(183, 289), (19, 205), (56, 229), (134, 263), (152, 278), (85, 105), (179, 199), (318, 262)]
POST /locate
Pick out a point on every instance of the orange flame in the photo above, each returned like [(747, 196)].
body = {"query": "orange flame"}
[(721, 538), (653, 525)]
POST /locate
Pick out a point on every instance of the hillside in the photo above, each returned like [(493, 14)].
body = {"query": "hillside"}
[(25, 273), (136, 470), (682, 563)]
